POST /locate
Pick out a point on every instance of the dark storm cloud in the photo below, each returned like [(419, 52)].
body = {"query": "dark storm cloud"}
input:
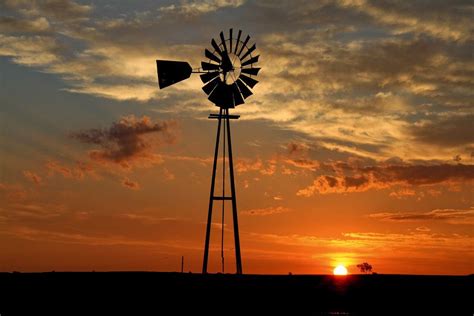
[(126, 140)]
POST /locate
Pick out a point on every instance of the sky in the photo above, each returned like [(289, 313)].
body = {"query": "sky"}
[(356, 146)]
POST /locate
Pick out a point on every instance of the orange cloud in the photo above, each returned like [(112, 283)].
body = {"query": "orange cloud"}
[(266, 211), (13, 191), (33, 210), (402, 193), (350, 178), (33, 177), (452, 216), (77, 172), (296, 148), (303, 163), (129, 184), (246, 165)]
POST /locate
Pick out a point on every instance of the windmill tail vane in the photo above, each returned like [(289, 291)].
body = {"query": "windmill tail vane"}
[(228, 75)]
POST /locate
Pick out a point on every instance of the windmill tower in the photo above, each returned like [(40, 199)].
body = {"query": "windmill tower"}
[(227, 75)]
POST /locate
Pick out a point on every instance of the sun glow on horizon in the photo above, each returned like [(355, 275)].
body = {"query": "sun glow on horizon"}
[(340, 270)]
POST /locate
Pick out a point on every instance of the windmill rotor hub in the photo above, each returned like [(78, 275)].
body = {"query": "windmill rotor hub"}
[(231, 72)]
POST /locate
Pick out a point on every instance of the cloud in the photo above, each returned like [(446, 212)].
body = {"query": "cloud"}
[(266, 211), (13, 192), (78, 171), (359, 77), (64, 9), (193, 7), (303, 163), (370, 241), (403, 193), (451, 131), (439, 18), (296, 148), (452, 216), (16, 25), (35, 51), (150, 218), (423, 229), (59, 10), (36, 235), (168, 174), (411, 240), (129, 184), (201, 160), (32, 210), (360, 179), (129, 140), (362, 96), (410, 251), (164, 237), (33, 177), (257, 165)]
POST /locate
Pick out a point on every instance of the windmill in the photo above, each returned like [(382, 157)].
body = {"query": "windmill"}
[(228, 76)]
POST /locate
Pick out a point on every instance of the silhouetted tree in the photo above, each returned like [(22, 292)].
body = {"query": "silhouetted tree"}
[(365, 267)]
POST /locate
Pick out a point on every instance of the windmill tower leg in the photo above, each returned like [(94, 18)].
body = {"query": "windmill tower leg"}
[(238, 259), (211, 197)]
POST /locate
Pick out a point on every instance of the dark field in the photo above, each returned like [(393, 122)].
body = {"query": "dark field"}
[(152, 293)]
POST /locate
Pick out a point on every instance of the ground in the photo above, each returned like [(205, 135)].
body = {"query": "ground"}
[(146, 293)]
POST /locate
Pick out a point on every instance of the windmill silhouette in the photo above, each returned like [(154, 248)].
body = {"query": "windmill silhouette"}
[(228, 77)]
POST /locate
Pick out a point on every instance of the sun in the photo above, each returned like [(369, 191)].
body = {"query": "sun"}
[(340, 270)]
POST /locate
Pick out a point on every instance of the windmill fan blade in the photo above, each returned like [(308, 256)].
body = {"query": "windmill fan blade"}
[(209, 87), (216, 47), (238, 99), (209, 66), (171, 72), (251, 49), (211, 56), (230, 33), (243, 89), (237, 41), (223, 41), (248, 81), (243, 45), (222, 95), (209, 76), (251, 61), (251, 71)]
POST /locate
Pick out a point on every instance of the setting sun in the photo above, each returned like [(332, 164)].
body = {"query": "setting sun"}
[(340, 270)]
